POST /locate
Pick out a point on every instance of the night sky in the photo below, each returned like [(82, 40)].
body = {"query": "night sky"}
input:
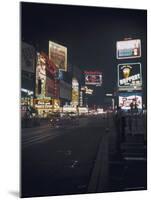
[(89, 33)]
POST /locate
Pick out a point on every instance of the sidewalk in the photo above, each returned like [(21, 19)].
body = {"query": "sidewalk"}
[(128, 170)]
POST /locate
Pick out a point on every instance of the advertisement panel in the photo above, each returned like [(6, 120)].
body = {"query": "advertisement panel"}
[(128, 49), (43, 103), (126, 99), (40, 76), (58, 54), (129, 75), (75, 92), (93, 78), (46, 85), (28, 56), (69, 109)]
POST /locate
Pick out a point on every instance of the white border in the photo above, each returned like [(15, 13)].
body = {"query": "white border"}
[(9, 101)]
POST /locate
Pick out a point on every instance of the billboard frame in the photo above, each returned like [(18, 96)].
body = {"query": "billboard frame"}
[(129, 87), (128, 57), (132, 93), (93, 73), (65, 51)]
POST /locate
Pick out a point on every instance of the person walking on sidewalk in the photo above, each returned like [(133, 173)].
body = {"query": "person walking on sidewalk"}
[(123, 125), (130, 120), (120, 128)]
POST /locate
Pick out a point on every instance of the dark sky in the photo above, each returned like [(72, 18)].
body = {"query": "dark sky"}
[(89, 33)]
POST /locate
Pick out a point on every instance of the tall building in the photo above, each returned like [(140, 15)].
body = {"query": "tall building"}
[(47, 85), (76, 85)]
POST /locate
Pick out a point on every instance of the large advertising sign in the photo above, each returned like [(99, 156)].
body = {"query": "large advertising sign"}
[(40, 76), (129, 75), (46, 85), (126, 99), (75, 92), (43, 103), (93, 78), (58, 54), (128, 49)]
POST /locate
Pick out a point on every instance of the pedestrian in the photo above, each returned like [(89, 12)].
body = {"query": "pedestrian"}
[(135, 108), (136, 116), (130, 118), (118, 129), (123, 125), (131, 107)]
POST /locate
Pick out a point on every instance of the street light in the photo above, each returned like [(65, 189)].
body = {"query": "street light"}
[(135, 92), (113, 101)]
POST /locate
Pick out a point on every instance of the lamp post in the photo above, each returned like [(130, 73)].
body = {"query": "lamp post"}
[(135, 93)]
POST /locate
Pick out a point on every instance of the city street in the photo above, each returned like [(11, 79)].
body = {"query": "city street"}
[(59, 161), (83, 100), (80, 159)]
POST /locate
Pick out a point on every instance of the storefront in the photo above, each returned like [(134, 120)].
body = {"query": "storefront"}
[(46, 106)]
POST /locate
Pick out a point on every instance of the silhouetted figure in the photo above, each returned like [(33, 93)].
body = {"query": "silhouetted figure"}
[(136, 116), (123, 124), (130, 115), (135, 108), (131, 106), (120, 128)]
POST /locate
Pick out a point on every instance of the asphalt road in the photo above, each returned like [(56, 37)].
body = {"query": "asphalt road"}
[(59, 161), (74, 159)]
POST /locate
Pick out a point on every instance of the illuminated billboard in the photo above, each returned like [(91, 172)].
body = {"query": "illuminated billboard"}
[(129, 75), (46, 85), (41, 76), (128, 49), (126, 99), (93, 78), (58, 55), (75, 92)]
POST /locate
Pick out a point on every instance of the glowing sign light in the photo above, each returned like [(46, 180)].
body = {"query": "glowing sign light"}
[(125, 99), (93, 78), (75, 92), (128, 49), (129, 75), (58, 54)]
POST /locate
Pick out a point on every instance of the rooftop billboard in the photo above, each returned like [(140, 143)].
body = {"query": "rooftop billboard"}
[(129, 75), (58, 55), (125, 100), (128, 49)]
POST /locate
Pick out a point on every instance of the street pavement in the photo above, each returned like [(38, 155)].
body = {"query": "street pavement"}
[(81, 159), (59, 161), (128, 169)]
